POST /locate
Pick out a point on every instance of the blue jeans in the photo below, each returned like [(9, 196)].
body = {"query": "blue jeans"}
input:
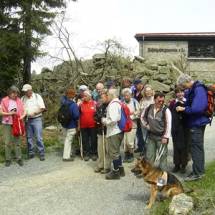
[(34, 127), (197, 149)]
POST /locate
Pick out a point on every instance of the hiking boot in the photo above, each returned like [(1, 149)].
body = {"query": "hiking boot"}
[(69, 159), (7, 163), (130, 158), (86, 158), (42, 157), (20, 162), (183, 170), (126, 157), (97, 169), (193, 177), (121, 171), (113, 175), (94, 157), (105, 171), (31, 156), (176, 169)]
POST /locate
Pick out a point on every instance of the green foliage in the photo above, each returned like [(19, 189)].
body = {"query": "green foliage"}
[(203, 195), (23, 25)]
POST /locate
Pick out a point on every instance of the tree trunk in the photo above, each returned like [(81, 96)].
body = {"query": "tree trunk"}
[(27, 58)]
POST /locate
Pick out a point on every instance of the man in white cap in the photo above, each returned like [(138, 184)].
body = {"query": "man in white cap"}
[(34, 106)]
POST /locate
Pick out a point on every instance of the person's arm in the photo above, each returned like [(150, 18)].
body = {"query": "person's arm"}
[(7, 113), (114, 116), (168, 119), (75, 111), (136, 113), (40, 103), (199, 103)]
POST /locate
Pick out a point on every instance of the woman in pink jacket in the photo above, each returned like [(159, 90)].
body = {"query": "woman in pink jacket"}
[(12, 107)]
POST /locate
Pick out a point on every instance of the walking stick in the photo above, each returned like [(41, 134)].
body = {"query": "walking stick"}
[(103, 145), (81, 146)]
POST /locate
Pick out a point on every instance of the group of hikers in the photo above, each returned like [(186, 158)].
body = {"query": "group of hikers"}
[(95, 117)]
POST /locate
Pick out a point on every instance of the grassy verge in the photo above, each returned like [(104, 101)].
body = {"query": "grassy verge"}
[(51, 139), (203, 195)]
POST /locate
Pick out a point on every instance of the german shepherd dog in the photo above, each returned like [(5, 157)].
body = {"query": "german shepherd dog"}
[(152, 175)]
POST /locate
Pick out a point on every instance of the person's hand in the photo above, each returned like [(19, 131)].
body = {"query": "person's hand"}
[(179, 108), (12, 113), (22, 117), (148, 127), (164, 140), (103, 120)]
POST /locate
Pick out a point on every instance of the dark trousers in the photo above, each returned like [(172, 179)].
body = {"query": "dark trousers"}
[(180, 156), (181, 147), (140, 141), (89, 141), (197, 149)]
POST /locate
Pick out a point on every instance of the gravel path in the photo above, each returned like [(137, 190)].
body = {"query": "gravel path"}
[(56, 187)]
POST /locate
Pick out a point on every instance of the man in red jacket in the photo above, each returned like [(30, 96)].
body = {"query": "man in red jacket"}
[(88, 126)]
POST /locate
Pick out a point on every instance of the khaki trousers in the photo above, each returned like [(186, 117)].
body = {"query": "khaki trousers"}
[(103, 154), (10, 142), (129, 139), (153, 143)]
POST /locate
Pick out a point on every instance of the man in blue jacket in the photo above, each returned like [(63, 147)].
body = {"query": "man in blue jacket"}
[(70, 128), (195, 107)]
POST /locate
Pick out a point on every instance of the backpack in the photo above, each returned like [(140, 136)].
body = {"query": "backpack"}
[(64, 115), (125, 123), (211, 102)]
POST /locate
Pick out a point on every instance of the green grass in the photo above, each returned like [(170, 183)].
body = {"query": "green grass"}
[(203, 195), (51, 142)]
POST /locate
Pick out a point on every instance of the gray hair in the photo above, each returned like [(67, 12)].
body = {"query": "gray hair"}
[(126, 91), (113, 93), (88, 93), (13, 89), (183, 78)]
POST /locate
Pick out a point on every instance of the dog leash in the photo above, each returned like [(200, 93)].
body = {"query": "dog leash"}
[(159, 153)]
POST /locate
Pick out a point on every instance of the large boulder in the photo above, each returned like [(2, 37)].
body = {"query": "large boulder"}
[(181, 204), (158, 86), (161, 77), (162, 63), (163, 70)]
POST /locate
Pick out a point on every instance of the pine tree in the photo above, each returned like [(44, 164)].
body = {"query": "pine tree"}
[(23, 26)]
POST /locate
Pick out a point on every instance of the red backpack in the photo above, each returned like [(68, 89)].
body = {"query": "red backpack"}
[(211, 102), (125, 123)]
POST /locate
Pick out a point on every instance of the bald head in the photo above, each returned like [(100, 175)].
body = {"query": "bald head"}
[(99, 87)]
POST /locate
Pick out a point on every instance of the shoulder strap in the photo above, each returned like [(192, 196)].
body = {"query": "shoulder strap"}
[(135, 105), (147, 112)]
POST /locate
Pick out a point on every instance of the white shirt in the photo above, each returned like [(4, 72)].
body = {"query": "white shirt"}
[(113, 116), (33, 104)]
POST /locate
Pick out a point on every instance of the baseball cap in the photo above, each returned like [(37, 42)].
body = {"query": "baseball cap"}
[(26, 87), (83, 87), (138, 81)]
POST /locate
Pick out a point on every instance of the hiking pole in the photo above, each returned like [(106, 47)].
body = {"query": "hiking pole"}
[(103, 145), (81, 146)]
